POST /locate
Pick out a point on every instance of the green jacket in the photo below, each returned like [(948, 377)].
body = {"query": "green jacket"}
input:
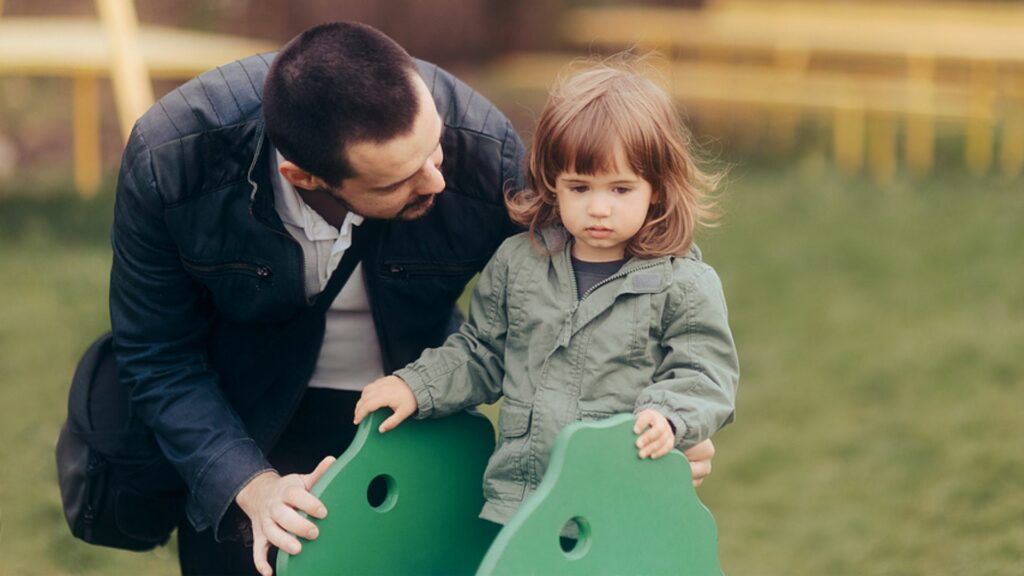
[(654, 335)]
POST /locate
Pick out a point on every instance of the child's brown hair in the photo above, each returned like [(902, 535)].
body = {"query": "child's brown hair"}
[(586, 117)]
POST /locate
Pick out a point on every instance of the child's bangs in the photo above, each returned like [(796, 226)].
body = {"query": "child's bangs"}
[(603, 127), (588, 143)]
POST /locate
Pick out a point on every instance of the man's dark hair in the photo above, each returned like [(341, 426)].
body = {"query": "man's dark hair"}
[(333, 85)]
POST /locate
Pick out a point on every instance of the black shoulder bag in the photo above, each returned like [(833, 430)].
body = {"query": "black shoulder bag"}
[(117, 488)]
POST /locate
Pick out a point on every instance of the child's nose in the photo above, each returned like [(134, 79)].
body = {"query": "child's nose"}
[(599, 207)]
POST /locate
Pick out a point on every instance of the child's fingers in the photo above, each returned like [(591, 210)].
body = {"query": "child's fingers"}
[(647, 441), (361, 410), (656, 441), (656, 449), (643, 420), (401, 413), (369, 404), (664, 447)]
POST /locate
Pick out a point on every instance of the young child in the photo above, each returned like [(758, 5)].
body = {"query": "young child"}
[(604, 306)]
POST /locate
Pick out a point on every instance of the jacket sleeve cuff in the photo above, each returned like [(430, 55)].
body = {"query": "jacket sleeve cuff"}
[(418, 385), (219, 483)]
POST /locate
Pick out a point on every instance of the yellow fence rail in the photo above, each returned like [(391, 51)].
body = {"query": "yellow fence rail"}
[(115, 46)]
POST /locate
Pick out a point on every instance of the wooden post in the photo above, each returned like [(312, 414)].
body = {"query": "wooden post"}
[(86, 134), (980, 127), (132, 89), (920, 137), (882, 148), (784, 120), (848, 135), (1011, 154)]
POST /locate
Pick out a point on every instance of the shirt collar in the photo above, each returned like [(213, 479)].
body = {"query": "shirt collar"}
[(294, 211)]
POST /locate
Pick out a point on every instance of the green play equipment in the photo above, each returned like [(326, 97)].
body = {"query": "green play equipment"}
[(406, 502)]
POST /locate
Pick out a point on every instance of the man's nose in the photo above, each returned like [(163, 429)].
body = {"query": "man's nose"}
[(432, 181)]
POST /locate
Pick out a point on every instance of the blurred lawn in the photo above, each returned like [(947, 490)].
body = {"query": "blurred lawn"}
[(880, 334)]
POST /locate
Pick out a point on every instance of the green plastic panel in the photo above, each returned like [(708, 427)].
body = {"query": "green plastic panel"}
[(428, 495), (633, 516)]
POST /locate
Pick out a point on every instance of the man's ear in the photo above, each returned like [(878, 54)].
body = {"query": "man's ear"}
[(299, 177)]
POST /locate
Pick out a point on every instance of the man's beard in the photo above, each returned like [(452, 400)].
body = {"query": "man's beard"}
[(412, 211), (417, 209)]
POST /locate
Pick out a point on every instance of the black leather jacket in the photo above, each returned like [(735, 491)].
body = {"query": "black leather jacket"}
[(207, 287)]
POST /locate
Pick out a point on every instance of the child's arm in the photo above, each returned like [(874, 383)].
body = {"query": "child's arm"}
[(694, 386), (469, 367), (391, 392)]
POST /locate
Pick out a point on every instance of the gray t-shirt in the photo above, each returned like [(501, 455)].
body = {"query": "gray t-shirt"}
[(589, 274)]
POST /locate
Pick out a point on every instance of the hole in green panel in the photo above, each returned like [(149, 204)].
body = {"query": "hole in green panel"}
[(382, 493), (574, 538)]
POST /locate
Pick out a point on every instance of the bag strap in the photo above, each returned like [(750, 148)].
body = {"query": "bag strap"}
[(362, 236)]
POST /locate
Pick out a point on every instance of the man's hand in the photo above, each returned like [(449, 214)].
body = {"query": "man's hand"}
[(657, 437), (389, 391), (700, 457), (271, 501)]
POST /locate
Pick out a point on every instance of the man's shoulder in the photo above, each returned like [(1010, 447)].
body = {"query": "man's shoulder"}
[(483, 153), (460, 106), (223, 97)]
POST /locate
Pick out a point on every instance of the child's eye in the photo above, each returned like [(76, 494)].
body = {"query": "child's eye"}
[(622, 190), (578, 189)]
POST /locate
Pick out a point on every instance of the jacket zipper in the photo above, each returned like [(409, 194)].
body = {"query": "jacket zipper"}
[(567, 329), (252, 212), (301, 277), (566, 335), (260, 271), (415, 269)]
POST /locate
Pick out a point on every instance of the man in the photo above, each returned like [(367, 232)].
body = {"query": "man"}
[(241, 195)]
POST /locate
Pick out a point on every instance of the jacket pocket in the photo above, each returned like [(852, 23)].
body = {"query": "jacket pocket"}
[(406, 269), (505, 478), (228, 269), (240, 290), (514, 418), (595, 415)]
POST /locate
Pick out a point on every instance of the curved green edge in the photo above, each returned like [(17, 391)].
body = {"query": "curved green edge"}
[(432, 525), (644, 516)]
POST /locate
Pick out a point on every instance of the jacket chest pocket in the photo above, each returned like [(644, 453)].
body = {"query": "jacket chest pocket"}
[(426, 281), (617, 361), (241, 291)]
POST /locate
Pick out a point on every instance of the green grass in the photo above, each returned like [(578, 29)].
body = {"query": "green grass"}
[(880, 336), (56, 259)]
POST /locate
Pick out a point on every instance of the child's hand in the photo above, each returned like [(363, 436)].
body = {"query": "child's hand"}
[(390, 391), (657, 438)]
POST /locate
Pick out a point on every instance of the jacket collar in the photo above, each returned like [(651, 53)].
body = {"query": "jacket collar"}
[(261, 196), (637, 276), (642, 276)]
